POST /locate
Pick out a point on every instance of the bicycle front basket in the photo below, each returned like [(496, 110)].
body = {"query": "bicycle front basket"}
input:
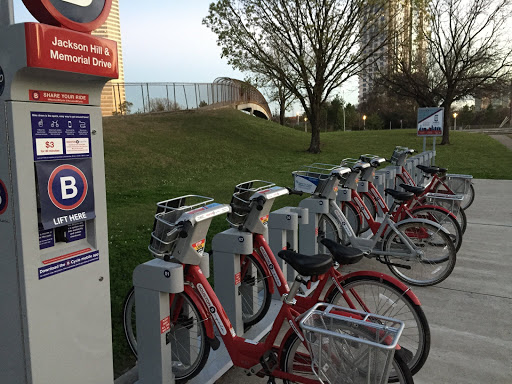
[(349, 346)]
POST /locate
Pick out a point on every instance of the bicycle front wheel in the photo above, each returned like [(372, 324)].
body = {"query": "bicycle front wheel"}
[(371, 204), (296, 359), (328, 229), (254, 290), (435, 258), (443, 218), (381, 297), (189, 344)]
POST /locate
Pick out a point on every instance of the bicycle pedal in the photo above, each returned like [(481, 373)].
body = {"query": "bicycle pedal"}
[(268, 361)]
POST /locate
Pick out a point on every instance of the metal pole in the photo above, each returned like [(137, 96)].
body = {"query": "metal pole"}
[(149, 100), (142, 90), (185, 92), (424, 144), (6, 13), (343, 118), (114, 95), (175, 106), (167, 93), (434, 149), (195, 91)]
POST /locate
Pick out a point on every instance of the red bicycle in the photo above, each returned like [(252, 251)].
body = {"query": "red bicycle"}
[(369, 291)]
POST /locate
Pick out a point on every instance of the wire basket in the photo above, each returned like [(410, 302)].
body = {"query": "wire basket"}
[(458, 183), (399, 156), (349, 346), (241, 200), (450, 202), (165, 229), (313, 178)]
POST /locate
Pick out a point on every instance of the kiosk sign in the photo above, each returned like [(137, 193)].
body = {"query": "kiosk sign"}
[(65, 192), (430, 121)]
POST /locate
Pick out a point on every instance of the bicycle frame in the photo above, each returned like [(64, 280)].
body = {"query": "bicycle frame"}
[(269, 262), (430, 187)]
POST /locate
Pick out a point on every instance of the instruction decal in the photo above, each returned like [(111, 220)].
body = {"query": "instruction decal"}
[(66, 193), (4, 197), (46, 238), (68, 264), (60, 135)]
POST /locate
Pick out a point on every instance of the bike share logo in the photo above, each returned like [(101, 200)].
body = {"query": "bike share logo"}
[(3, 197), (264, 220), (211, 308), (270, 266), (361, 206), (377, 197), (67, 187), (343, 221), (78, 15)]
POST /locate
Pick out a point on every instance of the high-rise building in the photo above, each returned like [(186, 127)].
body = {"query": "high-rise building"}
[(113, 95), (394, 35)]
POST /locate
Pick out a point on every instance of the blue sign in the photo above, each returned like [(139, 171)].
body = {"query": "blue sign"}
[(68, 264), (3, 197), (66, 193), (46, 239), (60, 135)]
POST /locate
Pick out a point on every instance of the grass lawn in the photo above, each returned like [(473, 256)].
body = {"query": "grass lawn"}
[(150, 158)]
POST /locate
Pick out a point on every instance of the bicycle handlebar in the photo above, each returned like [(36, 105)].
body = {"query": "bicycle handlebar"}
[(294, 192), (185, 227)]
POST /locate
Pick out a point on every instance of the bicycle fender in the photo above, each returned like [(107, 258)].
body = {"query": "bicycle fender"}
[(415, 220), (437, 207), (378, 276), (202, 311)]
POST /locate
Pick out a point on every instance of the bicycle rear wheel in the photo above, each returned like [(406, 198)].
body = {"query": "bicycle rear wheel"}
[(437, 253), (374, 295), (189, 345), (295, 359)]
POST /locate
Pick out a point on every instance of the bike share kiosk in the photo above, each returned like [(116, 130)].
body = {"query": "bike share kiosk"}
[(54, 272)]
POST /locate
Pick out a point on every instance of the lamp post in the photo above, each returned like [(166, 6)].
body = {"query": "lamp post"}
[(364, 122), (305, 124), (454, 121), (297, 118)]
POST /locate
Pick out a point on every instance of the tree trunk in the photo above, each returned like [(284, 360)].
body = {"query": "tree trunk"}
[(314, 146), (282, 111)]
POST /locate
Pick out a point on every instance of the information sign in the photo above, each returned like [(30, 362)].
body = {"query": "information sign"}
[(430, 121), (58, 97), (60, 135)]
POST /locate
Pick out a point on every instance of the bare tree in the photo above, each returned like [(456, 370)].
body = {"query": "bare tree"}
[(466, 50), (320, 43)]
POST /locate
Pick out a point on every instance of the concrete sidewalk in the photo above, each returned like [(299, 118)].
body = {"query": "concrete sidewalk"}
[(470, 313)]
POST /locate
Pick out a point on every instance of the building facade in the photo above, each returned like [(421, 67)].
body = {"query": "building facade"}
[(113, 95), (396, 34)]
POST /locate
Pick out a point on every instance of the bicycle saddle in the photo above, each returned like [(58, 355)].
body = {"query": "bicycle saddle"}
[(341, 253), (431, 170), (412, 188), (400, 196), (307, 265)]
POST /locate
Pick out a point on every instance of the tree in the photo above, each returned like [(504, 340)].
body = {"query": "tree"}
[(124, 108), (320, 44), (466, 51)]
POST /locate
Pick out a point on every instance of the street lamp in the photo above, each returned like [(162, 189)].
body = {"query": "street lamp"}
[(454, 121), (297, 118), (364, 122), (305, 124)]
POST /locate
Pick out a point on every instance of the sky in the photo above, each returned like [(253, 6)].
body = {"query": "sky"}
[(165, 41)]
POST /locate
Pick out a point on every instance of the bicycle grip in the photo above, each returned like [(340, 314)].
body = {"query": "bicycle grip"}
[(292, 191), (185, 227), (259, 203)]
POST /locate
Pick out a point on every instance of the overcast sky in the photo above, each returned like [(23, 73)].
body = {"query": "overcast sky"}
[(165, 41)]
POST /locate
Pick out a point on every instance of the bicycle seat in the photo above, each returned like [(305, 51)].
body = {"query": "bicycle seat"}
[(341, 253), (431, 170), (307, 265), (400, 196), (412, 188)]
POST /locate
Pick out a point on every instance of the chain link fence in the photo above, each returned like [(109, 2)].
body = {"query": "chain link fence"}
[(160, 97)]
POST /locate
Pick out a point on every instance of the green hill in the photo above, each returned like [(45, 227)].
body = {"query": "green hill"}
[(151, 158)]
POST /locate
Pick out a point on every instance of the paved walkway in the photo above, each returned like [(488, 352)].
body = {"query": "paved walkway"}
[(503, 139)]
